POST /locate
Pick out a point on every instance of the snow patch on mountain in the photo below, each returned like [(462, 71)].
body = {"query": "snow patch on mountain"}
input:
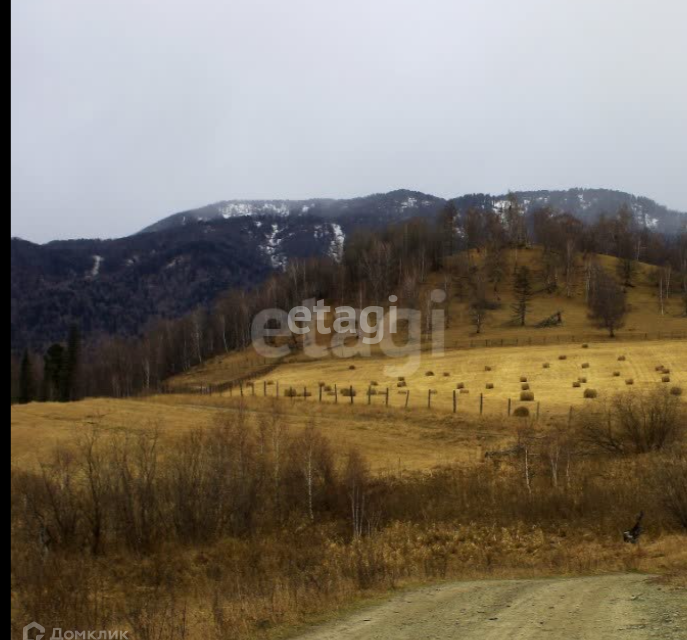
[(242, 209), (97, 264), (500, 208), (336, 249), (273, 249), (409, 203)]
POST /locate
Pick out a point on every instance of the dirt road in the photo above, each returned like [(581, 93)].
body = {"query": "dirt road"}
[(627, 607)]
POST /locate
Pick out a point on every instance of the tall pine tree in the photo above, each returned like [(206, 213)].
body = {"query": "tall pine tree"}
[(27, 388), (53, 369), (69, 388), (523, 293)]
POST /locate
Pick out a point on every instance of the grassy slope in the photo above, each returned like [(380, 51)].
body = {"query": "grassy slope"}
[(644, 315), (552, 387), (392, 441)]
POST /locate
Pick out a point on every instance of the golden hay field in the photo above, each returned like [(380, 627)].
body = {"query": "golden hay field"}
[(392, 440), (503, 367)]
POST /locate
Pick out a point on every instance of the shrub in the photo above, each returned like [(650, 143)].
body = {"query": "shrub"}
[(577, 384), (347, 392), (322, 385), (635, 422), (291, 393), (487, 368), (666, 370), (665, 379), (429, 374), (582, 379), (546, 365), (352, 367), (372, 391), (374, 383), (525, 387), (490, 385), (447, 374), (585, 365), (585, 346), (670, 486), (460, 385), (465, 391), (629, 382), (402, 385), (676, 391), (616, 374), (622, 358), (523, 379), (562, 357), (521, 412), (527, 396), (659, 368), (328, 388), (590, 394)]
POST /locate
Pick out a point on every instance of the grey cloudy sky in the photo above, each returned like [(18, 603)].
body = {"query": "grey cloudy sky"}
[(125, 111)]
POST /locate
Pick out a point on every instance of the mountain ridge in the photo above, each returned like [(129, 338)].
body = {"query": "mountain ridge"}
[(586, 204), (119, 286)]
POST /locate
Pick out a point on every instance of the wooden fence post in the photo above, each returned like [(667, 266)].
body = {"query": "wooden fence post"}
[(336, 394), (510, 406), (455, 401), (481, 404), (407, 399), (351, 390), (387, 396)]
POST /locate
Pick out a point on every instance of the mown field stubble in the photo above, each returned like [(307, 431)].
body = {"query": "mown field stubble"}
[(550, 372)]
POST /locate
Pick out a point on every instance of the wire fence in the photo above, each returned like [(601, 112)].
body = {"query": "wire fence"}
[(458, 401), (241, 381), (579, 338)]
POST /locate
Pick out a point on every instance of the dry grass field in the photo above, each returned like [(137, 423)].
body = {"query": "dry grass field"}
[(392, 440), (611, 366)]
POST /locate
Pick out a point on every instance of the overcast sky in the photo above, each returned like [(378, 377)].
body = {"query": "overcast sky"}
[(125, 111)]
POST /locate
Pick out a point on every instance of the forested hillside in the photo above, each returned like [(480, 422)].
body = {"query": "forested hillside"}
[(470, 255)]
